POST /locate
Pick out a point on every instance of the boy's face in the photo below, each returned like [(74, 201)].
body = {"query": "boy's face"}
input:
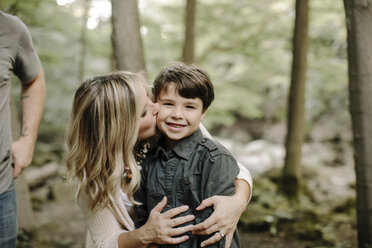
[(178, 117)]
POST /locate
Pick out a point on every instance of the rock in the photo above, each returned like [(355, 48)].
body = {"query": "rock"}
[(36, 176)]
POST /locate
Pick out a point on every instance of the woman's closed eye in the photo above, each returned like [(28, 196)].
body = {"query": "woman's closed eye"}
[(144, 113)]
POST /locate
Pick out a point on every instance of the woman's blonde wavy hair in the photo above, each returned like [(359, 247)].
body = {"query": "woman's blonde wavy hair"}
[(102, 134)]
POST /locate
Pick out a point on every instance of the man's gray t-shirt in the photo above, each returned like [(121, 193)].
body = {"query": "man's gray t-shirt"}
[(17, 55)]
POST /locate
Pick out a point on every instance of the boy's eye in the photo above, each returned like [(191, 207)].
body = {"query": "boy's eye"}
[(167, 104), (190, 107)]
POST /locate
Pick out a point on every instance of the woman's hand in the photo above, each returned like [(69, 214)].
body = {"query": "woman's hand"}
[(226, 214), (160, 228)]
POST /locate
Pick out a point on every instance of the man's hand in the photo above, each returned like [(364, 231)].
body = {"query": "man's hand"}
[(22, 151)]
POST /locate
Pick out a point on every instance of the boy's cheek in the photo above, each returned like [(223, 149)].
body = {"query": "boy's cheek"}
[(162, 113), (158, 122)]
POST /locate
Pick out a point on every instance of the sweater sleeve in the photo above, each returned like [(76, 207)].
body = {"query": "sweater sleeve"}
[(103, 227), (245, 175)]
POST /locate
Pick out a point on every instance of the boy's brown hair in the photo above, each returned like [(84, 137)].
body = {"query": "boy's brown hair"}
[(190, 80)]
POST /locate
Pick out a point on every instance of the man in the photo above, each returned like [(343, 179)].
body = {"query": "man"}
[(17, 55)]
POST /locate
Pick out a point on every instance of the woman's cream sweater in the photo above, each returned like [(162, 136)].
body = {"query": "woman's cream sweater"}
[(105, 225)]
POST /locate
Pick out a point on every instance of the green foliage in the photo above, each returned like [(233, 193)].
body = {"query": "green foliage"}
[(252, 57), (22, 9), (56, 32), (244, 45), (164, 37)]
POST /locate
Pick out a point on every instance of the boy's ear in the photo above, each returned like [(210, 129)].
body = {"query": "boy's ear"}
[(203, 114)]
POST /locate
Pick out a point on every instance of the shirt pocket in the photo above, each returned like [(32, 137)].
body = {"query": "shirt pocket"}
[(192, 193), (153, 195)]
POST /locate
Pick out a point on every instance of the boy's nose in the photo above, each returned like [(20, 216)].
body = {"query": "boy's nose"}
[(176, 113)]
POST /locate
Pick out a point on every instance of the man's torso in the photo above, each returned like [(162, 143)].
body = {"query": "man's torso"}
[(13, 36)]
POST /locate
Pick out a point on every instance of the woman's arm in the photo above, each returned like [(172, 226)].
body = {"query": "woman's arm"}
[(159, 228), (226, 214), (105, 230), (245, 176)]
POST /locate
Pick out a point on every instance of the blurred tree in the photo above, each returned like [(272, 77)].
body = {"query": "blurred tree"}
[(246, 53), (126, 36), (188, 46), (291, 177), (359, 50), (83, 39)]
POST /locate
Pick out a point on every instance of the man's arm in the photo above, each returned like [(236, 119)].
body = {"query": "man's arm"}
[(32, 104)]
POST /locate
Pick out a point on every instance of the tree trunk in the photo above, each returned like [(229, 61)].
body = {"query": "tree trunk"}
[(359, 39), (291, 177), (83, 39), (126, 36), (188, 46), (24, 208)]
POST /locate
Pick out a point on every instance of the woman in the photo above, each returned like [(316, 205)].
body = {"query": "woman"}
[(110, 115)]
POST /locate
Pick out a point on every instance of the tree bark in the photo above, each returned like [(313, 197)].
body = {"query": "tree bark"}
[(126, 36), (291, 177), (189, 42), (359, 39), (83, 39)]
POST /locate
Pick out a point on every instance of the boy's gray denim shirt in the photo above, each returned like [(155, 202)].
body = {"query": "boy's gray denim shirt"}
[(195, 169)]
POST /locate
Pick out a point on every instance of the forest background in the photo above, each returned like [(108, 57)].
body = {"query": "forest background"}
[(246, 46)]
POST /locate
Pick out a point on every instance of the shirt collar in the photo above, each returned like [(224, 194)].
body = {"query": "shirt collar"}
[(182, 149)]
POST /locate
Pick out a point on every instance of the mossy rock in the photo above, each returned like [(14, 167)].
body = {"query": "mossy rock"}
[(346, 206)]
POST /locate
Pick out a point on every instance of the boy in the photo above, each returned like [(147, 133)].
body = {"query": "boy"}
[(186, 167)]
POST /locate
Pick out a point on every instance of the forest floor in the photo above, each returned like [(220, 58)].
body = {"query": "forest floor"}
[(324, 218), (61, 225)]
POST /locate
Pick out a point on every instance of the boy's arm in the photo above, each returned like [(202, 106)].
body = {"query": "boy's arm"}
[(220, 181), (244, 174), (226, 214)]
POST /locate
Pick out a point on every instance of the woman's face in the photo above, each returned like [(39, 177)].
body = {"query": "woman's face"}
[(149, 111)]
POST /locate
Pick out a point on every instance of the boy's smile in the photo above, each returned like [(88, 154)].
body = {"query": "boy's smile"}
[(175, 125), (178, 117)]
